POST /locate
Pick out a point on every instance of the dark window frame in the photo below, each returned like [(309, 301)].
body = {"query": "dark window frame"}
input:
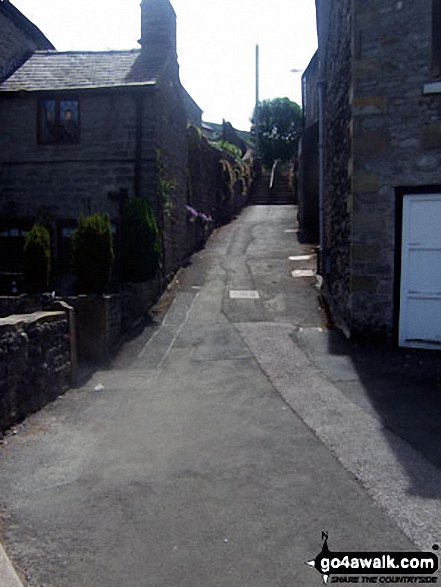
[(59, 136)]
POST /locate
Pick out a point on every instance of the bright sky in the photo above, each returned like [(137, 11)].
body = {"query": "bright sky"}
[(216, 44)]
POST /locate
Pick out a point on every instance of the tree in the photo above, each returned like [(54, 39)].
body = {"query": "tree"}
[(280, 123), (37, 259), (92, 253)]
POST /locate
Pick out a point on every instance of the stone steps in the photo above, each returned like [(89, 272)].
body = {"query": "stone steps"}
[(281, 195)]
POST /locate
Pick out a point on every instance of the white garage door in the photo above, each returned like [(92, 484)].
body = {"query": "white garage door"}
[(420, 303)]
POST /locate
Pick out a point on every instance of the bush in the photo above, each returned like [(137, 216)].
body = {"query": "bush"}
[(229, 148), (141, 241), (92, 253), (37, 260)]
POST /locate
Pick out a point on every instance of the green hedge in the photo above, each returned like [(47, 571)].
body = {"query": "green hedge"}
[(92, 254), (141, 241), (37, 260)]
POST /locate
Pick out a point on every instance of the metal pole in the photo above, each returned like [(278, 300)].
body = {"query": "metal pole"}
[(256, 117)]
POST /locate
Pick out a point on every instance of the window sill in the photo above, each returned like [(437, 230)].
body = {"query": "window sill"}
[(432, 88)]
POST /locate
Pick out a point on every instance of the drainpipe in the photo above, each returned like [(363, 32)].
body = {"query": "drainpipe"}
[(138, 144), (322, 146)]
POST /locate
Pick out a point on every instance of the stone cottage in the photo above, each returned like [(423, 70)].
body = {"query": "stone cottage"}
[(81, 130), (19, 38), (379, 100)]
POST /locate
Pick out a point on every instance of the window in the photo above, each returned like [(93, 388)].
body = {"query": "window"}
[(59, 121), (436, 39)]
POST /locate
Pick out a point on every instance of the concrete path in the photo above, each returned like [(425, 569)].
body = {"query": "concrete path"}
[(222, 444)]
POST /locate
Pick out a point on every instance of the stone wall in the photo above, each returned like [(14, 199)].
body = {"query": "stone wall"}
[(137, 299), (15, 43), (310, 92), (101, 322), (383, 139), (172, 144), (308, 192), (35, 363), (24, 304), (397, 144), (338, 154), (99, 326), (218, 185), (64, 181)]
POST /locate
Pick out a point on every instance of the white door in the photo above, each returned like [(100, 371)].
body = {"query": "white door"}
[(420, 299)]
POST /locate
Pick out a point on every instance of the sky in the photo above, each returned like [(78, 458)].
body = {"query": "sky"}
[(216, 44)]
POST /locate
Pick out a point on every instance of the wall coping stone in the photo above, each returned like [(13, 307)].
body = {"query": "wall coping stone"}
[(18, 320)]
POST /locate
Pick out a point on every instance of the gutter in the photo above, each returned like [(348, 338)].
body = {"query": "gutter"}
[(69, 89)]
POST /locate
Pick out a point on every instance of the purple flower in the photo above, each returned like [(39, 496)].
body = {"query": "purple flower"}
[(192, 212)]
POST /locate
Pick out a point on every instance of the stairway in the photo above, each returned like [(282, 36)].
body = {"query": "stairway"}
[(280, 194)]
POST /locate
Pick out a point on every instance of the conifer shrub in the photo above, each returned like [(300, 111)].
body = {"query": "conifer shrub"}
[(141, 249), (37, 259), (92, 253)]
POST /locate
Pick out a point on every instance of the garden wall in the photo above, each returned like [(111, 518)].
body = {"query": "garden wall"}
[(217, 184), (35, 363), (101, 321)]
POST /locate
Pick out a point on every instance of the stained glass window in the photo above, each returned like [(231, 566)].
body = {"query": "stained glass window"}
[(59, 121)]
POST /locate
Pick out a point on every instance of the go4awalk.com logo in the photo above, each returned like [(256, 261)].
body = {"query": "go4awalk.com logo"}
[(388, 567)]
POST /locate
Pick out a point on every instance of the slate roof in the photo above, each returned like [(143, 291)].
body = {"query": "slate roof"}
[(68, 70)]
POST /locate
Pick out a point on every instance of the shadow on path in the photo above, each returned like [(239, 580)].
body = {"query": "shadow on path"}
[(400, 387)]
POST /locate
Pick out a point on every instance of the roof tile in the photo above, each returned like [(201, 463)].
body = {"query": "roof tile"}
[(64, 70)]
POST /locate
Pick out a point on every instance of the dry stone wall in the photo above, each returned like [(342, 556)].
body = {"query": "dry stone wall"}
[(337, 229), (35, 365)]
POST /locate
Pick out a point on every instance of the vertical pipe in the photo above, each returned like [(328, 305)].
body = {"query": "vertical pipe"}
[(256, 117), (321, 113), (138, 146)]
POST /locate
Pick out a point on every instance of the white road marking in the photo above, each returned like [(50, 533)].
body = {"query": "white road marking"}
[(245, 294)]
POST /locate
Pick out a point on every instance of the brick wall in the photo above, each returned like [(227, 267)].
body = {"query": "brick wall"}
[(35, 363)]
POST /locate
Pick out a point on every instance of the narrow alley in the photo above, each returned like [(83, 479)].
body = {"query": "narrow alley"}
[(215, 451)]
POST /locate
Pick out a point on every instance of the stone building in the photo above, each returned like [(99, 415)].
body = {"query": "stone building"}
[(308, 174), (380, 62), (19, 38), (80, 130)]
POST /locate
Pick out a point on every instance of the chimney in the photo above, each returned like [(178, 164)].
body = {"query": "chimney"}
[(158, 29)]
